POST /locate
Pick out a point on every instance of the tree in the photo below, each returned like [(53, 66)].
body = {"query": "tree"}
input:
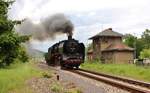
[(130, 40), (139, 46), (134, 42), (145, 53), (10, 41), (146, 38)]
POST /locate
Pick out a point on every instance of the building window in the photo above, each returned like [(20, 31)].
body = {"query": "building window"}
[(105, 40)]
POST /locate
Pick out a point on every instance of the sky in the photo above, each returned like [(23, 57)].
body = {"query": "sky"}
[(88, 16)]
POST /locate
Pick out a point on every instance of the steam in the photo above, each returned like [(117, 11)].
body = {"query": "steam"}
[(47, 28)]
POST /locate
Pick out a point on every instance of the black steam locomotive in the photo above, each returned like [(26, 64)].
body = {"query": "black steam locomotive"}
[(67, 53)]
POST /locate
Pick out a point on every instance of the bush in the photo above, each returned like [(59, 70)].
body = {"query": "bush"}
[(145, 53)]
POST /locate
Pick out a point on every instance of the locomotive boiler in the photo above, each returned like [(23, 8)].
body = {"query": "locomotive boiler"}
[(67, 53)]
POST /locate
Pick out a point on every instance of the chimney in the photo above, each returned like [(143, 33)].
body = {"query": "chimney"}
[(110, 29)]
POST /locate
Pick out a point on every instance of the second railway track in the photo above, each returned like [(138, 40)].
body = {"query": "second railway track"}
[(131, 85)]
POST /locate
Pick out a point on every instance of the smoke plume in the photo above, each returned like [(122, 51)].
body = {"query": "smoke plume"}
[(47, 28)]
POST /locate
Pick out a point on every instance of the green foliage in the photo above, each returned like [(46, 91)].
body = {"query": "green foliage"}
[(46, 74), (10, 42), (56, 87), (145, 53), (130, 40), (146, 38), (22, 54), (138, 43), (127, 70), (139, 46)]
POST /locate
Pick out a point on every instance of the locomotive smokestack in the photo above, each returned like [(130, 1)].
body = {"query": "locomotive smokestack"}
[(69, 34), (69, 37)]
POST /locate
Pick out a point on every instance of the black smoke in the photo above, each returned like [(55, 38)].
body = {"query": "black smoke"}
[(47, 28)]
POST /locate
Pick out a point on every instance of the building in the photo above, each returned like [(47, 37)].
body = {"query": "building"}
[(108, 46), (90, 54)]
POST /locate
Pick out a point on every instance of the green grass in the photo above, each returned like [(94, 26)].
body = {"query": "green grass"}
[(56, 87), (14, 77), (127, 70)]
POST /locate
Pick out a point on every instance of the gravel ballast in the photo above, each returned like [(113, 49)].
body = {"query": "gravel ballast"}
[(70, 80)]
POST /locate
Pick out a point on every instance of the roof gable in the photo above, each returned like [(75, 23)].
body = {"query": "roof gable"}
[(118, 47), (107, 32)]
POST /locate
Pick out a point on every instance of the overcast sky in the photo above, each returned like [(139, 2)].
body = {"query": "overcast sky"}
[(88, 16)]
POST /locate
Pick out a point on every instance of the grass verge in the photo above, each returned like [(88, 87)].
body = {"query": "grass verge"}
[(127, 70), (14, 77)]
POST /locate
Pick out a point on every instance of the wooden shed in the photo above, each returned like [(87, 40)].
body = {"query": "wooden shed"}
[(118, 53)]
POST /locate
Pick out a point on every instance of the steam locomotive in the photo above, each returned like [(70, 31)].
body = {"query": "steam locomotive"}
[(67, 53)]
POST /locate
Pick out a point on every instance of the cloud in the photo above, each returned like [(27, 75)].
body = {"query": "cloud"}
[(40, 8), (88, 16)]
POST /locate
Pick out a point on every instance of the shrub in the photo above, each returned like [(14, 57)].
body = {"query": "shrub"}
[(145, 53)]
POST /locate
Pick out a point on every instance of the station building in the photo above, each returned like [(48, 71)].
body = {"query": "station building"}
[(109, 48)]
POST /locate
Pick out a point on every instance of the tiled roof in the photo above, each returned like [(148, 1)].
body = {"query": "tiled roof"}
[(107, 32), (118, 47)]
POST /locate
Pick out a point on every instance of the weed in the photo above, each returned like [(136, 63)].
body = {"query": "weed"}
[(46, 74), (56, 87)]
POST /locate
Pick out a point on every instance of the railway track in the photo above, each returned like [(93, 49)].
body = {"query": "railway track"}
[(131, 85)]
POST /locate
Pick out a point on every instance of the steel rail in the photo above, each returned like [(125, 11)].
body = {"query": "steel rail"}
[(109, 80), (131, 81)]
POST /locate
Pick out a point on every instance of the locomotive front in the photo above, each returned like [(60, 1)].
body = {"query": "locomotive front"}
[(73, 54)]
